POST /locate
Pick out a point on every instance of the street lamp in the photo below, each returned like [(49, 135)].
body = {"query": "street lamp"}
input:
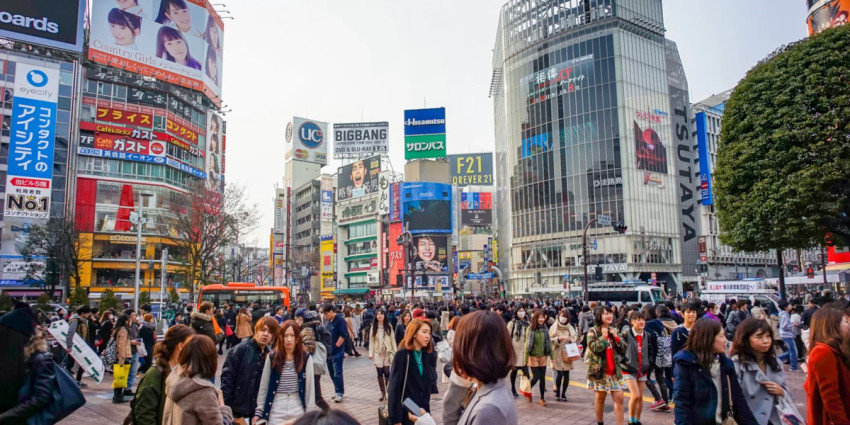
[(139, 220)]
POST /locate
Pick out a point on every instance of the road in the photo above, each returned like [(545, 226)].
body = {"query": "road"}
[(361, 400)]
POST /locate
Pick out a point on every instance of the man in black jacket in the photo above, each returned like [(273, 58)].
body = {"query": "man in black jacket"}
[(243, 368)]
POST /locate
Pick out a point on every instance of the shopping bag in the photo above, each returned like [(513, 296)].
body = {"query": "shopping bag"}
[(525, 386), (141, 350), (120, 373), (216, 327), (571, 352), (228, 331), (788, 414)]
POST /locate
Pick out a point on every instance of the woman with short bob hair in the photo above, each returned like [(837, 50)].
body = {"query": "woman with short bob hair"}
[(705, 378), (410, 374), (759, 372), (191, 396), (483, 353)]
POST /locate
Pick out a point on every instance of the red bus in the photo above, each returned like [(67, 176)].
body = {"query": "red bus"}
[(241, 293)]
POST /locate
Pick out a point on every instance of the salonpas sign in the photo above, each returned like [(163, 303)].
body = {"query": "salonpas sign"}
[(425, 133)]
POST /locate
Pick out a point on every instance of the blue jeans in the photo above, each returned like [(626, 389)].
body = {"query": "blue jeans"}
[(337, 359), (134, 369), (791, 354)]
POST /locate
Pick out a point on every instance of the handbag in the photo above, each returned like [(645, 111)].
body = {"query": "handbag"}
[(570, 353), (788, 413), (228, 331), (120, 373), (141, 350), (444, 351), (730, 415), (525, 386), (67, 398), (110, 354)]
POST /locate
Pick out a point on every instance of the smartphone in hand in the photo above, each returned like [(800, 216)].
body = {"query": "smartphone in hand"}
[(411, 406)]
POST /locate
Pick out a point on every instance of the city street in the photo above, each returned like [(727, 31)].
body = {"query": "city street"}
[(361, 400)]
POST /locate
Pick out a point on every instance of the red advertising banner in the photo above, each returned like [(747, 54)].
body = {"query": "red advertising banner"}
[(396, 263), (140, 134), (181, 131), (124, 117)]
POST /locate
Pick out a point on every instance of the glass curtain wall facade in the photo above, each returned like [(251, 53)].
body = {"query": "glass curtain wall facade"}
[(582, 131)]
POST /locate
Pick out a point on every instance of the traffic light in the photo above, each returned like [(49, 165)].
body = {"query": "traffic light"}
[(810, 272), (597, 273), (619, 227)]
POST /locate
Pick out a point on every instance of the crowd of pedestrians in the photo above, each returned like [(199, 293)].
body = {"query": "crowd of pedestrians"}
[(707, 363)]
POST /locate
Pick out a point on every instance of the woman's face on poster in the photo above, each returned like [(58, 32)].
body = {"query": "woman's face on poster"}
[(427, 249), (177, 49), (124, 35)]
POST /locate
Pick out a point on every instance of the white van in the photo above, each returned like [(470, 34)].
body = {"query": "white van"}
[(630, 292)]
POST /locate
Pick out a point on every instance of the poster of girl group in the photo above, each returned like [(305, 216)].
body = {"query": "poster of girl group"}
[(178, 41)]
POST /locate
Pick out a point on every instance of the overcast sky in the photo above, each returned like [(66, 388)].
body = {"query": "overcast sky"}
[(347, 61)]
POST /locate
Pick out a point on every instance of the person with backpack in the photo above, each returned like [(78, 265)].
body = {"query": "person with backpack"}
[(240, 375), (662, 328), (316, 339), (382, 350), (78, 325)]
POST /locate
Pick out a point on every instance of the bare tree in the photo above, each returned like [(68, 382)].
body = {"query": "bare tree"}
[(205, 222), (54, 251)]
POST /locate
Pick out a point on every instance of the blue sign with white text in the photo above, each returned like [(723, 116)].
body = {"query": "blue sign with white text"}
[(706, 194), (424, 121), (426, 207)]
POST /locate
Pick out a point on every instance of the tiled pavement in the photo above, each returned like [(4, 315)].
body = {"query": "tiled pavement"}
[(361, 400)]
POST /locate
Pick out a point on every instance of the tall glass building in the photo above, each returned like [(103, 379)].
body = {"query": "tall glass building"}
[(585, 128)]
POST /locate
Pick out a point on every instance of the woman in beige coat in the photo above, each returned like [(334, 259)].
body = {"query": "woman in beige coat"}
[(382, 349), (243, 324), (123, 351), (562, 333), (190, 396)]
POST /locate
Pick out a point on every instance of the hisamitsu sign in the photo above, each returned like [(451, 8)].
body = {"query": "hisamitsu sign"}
[(425, 133)]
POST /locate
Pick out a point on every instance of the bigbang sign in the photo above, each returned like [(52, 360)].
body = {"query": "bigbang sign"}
[(364, 138), (309, 139), (177, 41), (358, 178), (426, 207), (425, 133), (53, 23)]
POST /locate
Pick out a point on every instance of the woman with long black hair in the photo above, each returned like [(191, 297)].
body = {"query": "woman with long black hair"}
[(382, 349), (517, 329)]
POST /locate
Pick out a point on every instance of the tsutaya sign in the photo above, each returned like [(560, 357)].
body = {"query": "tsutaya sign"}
[(425, 133)]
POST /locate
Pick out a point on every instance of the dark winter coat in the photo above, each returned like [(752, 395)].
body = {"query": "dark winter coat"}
[(147, 332), (202, 324), (42, 382), (240, 377), (678, 339), (695, 393), (16, 328), (630, 360), (418, 386), (400, 329)]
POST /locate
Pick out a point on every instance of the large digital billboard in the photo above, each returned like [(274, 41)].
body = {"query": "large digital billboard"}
[(471, 169), (177, 41), (650, 151), (52, 23), (396, 255), (831, 14), (29, 178), (309, 140), (476, 208), (215, 153), (358, 178), (426, 207), (425, 133), (360, 139)]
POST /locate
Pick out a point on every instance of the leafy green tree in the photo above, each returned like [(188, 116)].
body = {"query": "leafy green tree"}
[(782, 177), (173, 296), (144, 298), (108, 300), (6, 302), (43, 302), (80, 297)]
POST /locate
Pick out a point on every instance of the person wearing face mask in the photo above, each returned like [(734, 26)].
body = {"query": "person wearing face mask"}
[(562, 333), (712, 312), (517, 329)]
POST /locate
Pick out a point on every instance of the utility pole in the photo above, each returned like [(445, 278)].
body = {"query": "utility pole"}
[(584, 257)]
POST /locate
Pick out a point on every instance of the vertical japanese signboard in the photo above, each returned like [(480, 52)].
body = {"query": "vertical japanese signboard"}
[(706, 193), (327, 198), (384, 187), (33, 129)]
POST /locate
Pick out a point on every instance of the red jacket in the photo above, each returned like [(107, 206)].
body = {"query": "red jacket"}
[(827, 387)]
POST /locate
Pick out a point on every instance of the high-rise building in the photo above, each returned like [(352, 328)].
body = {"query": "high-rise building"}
[(585, 134)]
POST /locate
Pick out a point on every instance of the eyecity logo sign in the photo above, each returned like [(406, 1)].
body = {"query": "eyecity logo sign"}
[(425, 133), (311, 135), (37, 78)]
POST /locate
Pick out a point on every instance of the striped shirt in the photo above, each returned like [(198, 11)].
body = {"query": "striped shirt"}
[(288, 379)]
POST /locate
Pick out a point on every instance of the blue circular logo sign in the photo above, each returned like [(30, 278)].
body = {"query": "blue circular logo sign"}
[(37, 78), (311, 135)]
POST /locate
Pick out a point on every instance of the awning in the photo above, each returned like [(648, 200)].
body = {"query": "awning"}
[(352, 291), (841, 267)]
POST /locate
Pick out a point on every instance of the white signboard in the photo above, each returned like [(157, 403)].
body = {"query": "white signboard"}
[(309, 140), (361, 139), (80, 352)]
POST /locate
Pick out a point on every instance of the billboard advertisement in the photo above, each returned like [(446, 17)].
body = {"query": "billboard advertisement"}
[(536, 144), (425, 133), (395, 202), (327, 198), (831, 14), (384, 200), (471, 169), (177, 41), (650, 152), (327, 251), (361, 139), (118, 143), (308, 139), (706, 194), (29, 178), (426, 207), (52, 23), (476, 208), (358, 178), (432, 254), (396, 254), (215, 152)]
